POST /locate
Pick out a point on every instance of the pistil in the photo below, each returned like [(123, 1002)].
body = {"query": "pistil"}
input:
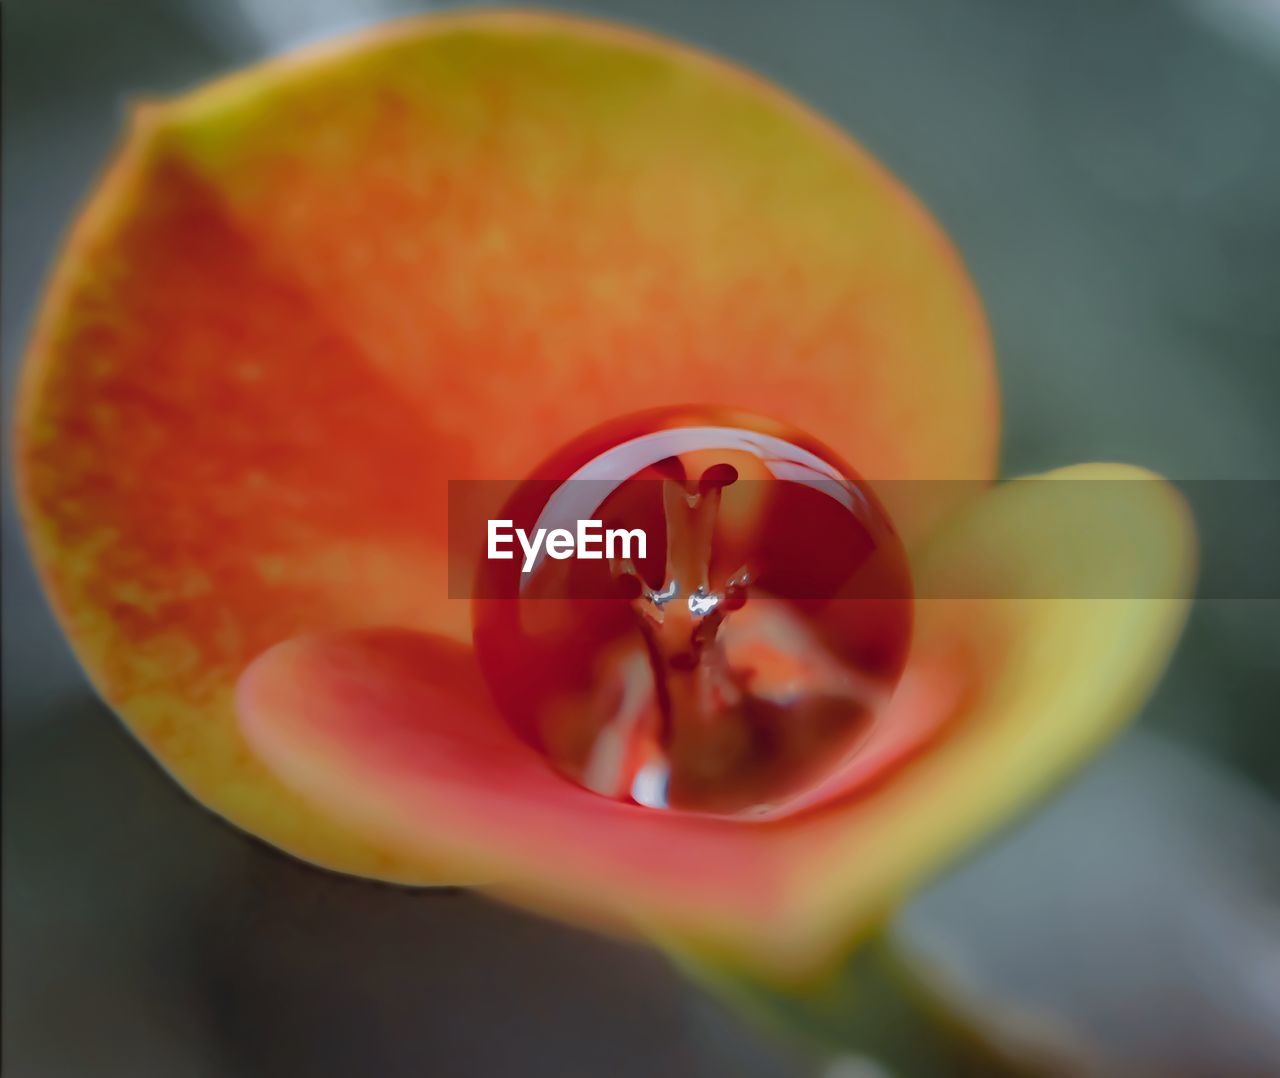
[(694, 682)]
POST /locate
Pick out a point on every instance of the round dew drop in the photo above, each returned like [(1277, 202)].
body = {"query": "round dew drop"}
[(740, 658)]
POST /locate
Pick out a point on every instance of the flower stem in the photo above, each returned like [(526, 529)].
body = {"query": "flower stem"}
[(884, 1006)]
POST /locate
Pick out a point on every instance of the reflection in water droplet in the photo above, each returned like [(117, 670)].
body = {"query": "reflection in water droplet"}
[(702, 602), (771, 672), (649, 787)]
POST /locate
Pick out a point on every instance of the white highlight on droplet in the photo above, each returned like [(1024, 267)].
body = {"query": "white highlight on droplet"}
[(702, 602), (649, 787)]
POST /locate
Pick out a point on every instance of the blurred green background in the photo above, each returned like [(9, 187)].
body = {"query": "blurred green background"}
[(1111, 174)]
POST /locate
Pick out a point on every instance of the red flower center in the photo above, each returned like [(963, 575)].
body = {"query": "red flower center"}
[(732, 661)]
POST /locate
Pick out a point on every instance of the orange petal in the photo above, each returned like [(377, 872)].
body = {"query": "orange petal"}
[(390, 733), (529, 223), (306, 296)]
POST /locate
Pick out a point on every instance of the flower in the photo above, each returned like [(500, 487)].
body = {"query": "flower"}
[(307, 296)]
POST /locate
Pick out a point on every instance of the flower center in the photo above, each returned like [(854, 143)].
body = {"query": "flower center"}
[(735, 659)]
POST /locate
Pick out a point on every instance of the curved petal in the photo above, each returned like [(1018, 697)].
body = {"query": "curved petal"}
[(392, 731), (389, 732), (306, 296), (1078, 601)]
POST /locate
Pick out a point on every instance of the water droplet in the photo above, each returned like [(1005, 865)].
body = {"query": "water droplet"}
[(764, 679)]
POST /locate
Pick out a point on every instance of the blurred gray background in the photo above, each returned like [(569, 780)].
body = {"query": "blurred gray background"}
[(1111, 173)]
